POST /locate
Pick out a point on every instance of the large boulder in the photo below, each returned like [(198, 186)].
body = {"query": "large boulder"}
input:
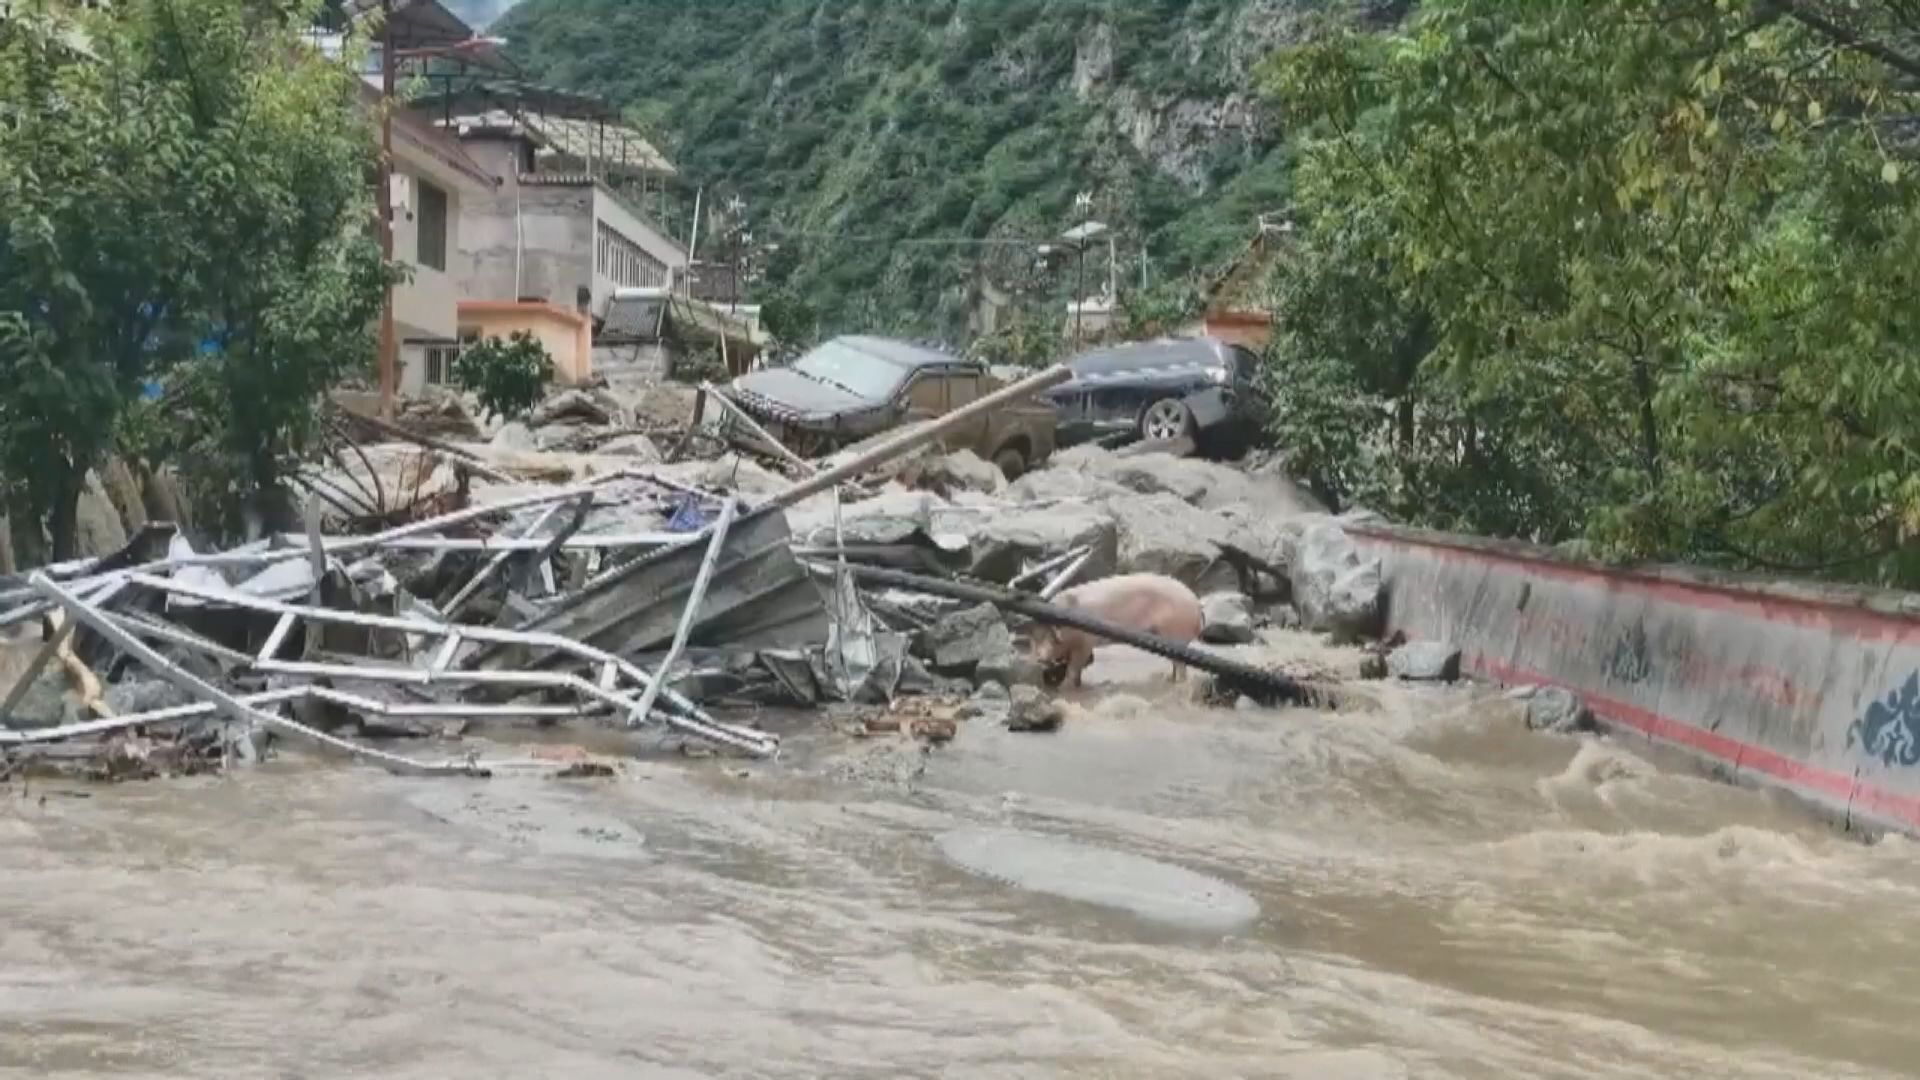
[(575, 406), (1229, 621), (1336, 589), (962, 470), (743, 476), (514, 437), (1268, 538), (1005, 538), (1425, 661), (638, 447), (1210, 485), (894, 516), (97, 528), (1160, 534), (1032, 710), (1557, 709), (960, 642), (1052, 485)]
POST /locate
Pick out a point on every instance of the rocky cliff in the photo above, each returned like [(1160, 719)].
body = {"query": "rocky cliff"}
[(896, 153)]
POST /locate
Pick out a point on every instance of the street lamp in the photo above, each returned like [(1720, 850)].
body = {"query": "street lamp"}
[(1079, 236)]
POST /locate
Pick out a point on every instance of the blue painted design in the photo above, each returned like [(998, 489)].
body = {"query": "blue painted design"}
[(1890, 730)]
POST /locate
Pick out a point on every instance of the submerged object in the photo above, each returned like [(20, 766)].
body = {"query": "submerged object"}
[(1071, 870)]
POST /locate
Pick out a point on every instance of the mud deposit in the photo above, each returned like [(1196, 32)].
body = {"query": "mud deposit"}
[(1438, 894)]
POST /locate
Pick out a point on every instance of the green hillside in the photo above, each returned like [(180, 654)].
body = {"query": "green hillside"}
[(875, 143)]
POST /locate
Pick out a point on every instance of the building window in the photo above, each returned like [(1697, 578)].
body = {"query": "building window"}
[(440, 360), (432, 224), (623, 261)]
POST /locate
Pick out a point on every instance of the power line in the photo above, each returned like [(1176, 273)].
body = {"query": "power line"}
[(927, 241)]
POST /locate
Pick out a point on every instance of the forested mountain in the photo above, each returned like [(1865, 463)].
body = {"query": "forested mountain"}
[(479, 13), (876, 142)]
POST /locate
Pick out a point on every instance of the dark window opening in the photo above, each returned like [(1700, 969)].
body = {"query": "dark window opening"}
[(432, 227)]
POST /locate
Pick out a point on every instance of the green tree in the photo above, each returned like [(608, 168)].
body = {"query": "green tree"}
[(1160, 310), (790, 321), (189, 199), (1022, 338), (509, 376), (1632, 268)]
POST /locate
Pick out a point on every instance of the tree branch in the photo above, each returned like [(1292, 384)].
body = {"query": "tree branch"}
[(1803, 12)]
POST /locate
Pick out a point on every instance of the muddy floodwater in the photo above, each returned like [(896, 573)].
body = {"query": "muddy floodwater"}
[(1439, 894)]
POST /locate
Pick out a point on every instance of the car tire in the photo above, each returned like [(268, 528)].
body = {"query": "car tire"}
[(1164, 420), (1011, 463)]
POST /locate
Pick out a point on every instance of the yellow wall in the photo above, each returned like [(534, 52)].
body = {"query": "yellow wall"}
[(567, 334)]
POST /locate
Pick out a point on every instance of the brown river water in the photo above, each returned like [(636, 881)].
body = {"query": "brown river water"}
[(1442, 895)]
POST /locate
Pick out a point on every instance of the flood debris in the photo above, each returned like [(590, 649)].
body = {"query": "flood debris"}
[(455, 578), (1557, 709), (1425, 661)]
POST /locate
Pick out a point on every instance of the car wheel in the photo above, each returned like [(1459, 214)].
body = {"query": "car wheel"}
[(1165, 420), (1011, 463)]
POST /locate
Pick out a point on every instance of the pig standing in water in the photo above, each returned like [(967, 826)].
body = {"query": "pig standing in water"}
[(1154, 603)]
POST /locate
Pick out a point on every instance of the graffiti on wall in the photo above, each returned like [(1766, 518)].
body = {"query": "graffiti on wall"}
[(1629, 662), (1890, 728)]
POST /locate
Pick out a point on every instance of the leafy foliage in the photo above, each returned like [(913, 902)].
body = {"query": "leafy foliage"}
[(790, 322), (508, 376), (1627, 269), (1020, 339), (187, 202), (894, 150)]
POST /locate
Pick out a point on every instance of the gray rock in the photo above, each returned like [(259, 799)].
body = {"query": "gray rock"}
[(962, 470), (144, 695), (891, 517), (1283, 617), (97, 528), (1270, 538), (1010, 669), (1160, 534), (1003, 539), (1228, 620), (990, 702), (638, 447), (577, 406), (1557, 709), (1206, 484), (1052, 485), (1032, 710), (514, 436), (47, 702), (1334, 588), (1431, 661), (959, 642)]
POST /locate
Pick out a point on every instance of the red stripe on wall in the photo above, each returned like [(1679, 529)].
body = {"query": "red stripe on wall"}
[(1828, 615), (1743, 756)]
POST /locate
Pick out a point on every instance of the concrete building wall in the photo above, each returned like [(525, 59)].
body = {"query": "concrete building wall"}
[(1811, 689), (423, 307), (526, 241), (632, 365), (614, 214)]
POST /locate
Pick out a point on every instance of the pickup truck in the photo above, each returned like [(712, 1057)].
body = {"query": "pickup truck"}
[(852, 387)]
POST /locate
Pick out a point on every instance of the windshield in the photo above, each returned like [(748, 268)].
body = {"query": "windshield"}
[(851, 370)]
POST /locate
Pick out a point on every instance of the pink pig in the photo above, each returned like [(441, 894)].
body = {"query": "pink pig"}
[(1154, 603)]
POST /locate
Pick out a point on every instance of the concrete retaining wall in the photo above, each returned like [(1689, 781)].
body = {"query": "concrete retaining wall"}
[(1811, 689)]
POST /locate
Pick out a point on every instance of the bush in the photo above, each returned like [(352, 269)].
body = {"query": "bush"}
[(509, 376)]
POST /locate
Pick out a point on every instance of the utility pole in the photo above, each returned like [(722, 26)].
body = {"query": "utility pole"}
[(389, 348)]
